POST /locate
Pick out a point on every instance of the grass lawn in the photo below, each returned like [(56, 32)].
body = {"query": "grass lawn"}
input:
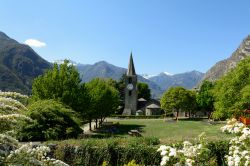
[(171, 131)]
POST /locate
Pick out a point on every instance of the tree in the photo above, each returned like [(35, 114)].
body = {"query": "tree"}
[(143, 91), (231, 91), (121, 86), (191, 104), (104, 100), (62, 83), (51, 120), (178, 99), (205, 98)]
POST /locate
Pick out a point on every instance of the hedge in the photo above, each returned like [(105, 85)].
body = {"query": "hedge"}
[(138, 116), (91, 152)]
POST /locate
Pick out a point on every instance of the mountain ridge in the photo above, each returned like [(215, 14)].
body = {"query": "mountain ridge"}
[(103, 69), (19, 65), (223, 66)]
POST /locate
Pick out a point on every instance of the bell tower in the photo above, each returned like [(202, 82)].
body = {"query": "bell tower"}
[(130, 89)]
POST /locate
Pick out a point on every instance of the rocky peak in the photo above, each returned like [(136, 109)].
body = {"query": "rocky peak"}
[(6, 40), (222, 67)]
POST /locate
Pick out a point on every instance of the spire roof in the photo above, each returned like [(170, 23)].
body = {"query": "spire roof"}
[(131, 67)]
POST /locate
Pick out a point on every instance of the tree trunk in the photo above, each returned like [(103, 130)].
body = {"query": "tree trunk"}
[(177, 115), (209, 114), (96, 123)]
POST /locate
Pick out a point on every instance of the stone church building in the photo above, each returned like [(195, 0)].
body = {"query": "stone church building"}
[(133, 105)]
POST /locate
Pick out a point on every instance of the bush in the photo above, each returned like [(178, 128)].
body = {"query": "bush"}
[(138, 116), (120, 151), (51, 121), (91, 155), (219, 150)]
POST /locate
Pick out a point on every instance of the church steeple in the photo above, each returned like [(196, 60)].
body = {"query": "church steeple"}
[(131, 67), (130, 90)]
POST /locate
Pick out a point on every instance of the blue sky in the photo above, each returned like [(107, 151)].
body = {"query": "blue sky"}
[(174, 36)]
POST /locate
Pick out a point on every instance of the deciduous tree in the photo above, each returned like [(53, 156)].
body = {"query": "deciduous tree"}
[(104, 99), (231, 91), (62, 83), (178, 99), (143, 91), (205, 98)]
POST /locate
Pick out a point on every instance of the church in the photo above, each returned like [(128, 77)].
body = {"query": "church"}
[(133, 105)]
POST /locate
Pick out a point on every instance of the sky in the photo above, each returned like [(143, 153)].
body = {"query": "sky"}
[(172, 36)]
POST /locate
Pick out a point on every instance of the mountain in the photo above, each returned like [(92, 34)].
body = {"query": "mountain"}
[(187, 80), (158, 84), (19, 65), (104, 69), (100, 69), (59, 62), (147, 76), (222, 67)]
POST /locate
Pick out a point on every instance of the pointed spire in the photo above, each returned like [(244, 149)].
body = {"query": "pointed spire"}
[(131, 67)]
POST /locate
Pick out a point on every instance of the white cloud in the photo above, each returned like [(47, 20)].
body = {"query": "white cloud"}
[(35, 43)]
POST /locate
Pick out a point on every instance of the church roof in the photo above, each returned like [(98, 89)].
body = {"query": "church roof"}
[(131, 67), (153, 106), (141, 99)]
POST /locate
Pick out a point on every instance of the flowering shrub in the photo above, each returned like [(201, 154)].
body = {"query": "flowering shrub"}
[(27, 155), (13, 95), (12, 102), (188, 154), (233, 126), (10, 112), (11, 152), (7, 144), (239, 150)]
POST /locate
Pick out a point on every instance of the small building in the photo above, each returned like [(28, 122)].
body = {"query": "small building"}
[(139, 112), (153, 109)]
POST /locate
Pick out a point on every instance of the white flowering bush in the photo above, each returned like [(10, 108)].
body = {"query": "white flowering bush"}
[(187, 155), (13, 153), (13, 95), (10, 111), (29, 155), (7, 144), (233, 126), (239, 150)]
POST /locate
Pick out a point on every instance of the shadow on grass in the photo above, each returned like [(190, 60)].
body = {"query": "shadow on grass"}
[(121, 129), (192, 119)]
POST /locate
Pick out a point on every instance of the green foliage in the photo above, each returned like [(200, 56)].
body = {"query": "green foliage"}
[(191, 104), (232, 91), (178, 99), (143, 91), (61, 83), (94, 152), (131, 163), (104, 99), (112, 152), (51, 120), (139, 116), (205, 99), (218, 151)]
